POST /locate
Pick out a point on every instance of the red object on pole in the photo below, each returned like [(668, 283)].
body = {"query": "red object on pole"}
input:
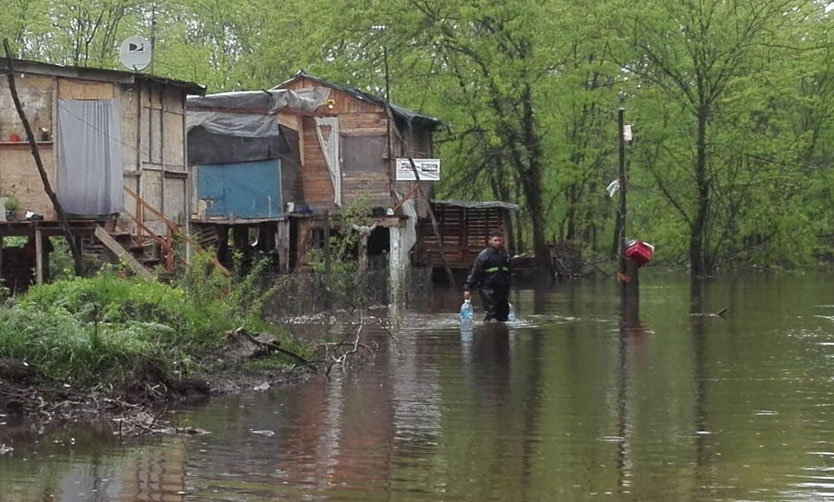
[(639, 252)]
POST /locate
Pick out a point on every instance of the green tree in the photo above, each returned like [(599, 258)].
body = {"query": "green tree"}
[(707, 70), (731, 100), (16, 21), (483, 63), (75, 32)]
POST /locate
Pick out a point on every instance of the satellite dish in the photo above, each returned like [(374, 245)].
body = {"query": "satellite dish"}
[(135, 53)]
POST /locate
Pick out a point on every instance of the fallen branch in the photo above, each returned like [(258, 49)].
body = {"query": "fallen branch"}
[(272, 346), (342, 359)]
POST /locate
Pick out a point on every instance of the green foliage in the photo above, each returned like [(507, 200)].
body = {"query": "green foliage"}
[(224, 302), (107, 328), (342, 282), (721, 148), (731, 102), (11, 204), (344, 239), (61, 265), (66, 347)]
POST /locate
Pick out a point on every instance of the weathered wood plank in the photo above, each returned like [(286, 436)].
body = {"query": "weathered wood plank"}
[(123, 254)]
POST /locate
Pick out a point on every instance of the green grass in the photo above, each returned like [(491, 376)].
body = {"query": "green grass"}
[(106, 329)]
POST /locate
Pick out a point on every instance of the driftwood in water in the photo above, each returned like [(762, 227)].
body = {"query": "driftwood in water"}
[(264, 344)]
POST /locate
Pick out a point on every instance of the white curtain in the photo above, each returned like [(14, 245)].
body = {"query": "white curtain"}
[(90, 179), (330, 148), (410, 234)]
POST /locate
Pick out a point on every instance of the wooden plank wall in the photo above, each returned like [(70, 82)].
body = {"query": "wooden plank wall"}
[(153, 150), (152, 139), (358, 119), (464, 233), (19, 175), (364, 170), (317, 186)]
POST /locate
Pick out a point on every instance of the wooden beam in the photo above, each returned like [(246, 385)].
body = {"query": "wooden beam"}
[(123, 254), (283, 239), (39, 256)]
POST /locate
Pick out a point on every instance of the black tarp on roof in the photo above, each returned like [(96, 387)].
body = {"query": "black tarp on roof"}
[(249, 114), (242, 126)]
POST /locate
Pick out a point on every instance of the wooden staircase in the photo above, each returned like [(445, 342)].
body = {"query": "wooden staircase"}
[(111, 241), (145, 249)]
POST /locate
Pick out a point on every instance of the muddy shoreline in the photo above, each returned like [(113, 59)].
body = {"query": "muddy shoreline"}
[(248, 362), (26, 403)]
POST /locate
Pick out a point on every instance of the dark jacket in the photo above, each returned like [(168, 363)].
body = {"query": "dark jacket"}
[(491, 270)]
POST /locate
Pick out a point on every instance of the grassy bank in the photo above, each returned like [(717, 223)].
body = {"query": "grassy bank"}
[(112, 330)]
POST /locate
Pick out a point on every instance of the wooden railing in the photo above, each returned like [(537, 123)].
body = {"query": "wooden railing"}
[(166, 244)]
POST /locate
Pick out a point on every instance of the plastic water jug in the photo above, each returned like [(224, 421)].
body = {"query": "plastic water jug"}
[(511, 314), (466, 311)]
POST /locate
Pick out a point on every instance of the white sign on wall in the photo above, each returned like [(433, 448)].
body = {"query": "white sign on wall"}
[(427, 169)]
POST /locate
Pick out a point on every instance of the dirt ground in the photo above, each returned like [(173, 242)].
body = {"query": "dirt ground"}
[(25, 399)]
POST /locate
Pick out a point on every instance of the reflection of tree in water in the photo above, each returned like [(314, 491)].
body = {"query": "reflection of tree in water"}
[(697, 290), (340, 432)]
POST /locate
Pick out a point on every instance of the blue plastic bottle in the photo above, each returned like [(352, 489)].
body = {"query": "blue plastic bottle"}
[(511, 315), (466, 311)]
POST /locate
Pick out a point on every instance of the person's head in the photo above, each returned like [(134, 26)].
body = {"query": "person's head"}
[(496, 239)]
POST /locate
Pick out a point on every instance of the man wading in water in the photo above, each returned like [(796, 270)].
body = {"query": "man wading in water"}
[(491, 274)]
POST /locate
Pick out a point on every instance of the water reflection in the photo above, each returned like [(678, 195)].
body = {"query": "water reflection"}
[(631, 332), (589, 396), (698, 289), (487, 360)]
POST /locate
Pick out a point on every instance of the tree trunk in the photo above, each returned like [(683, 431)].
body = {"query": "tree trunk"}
[(532, 182), (699, 227)]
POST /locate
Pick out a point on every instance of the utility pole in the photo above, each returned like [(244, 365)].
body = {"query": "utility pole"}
[(627, 275), (621, 209), (380, 28), (392, 163)]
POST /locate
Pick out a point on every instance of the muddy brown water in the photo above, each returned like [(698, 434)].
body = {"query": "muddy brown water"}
[(576, 401)]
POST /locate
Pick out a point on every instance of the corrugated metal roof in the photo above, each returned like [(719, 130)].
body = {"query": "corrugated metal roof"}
[(478, 204), (411, 118), (99, 74)]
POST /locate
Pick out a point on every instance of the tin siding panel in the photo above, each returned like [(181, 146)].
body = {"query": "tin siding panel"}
[(245, 190)]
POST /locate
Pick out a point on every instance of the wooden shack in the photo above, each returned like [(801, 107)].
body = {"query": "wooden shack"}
[(332, 145), (367, 135), (463, 228), (112, 144)]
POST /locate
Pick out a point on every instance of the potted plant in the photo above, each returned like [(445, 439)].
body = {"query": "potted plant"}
[(11, 204)]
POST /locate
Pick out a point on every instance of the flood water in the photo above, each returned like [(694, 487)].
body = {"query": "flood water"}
[(576, 401)]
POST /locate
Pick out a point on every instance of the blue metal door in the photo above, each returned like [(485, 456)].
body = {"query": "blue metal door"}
[(241, 191)]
